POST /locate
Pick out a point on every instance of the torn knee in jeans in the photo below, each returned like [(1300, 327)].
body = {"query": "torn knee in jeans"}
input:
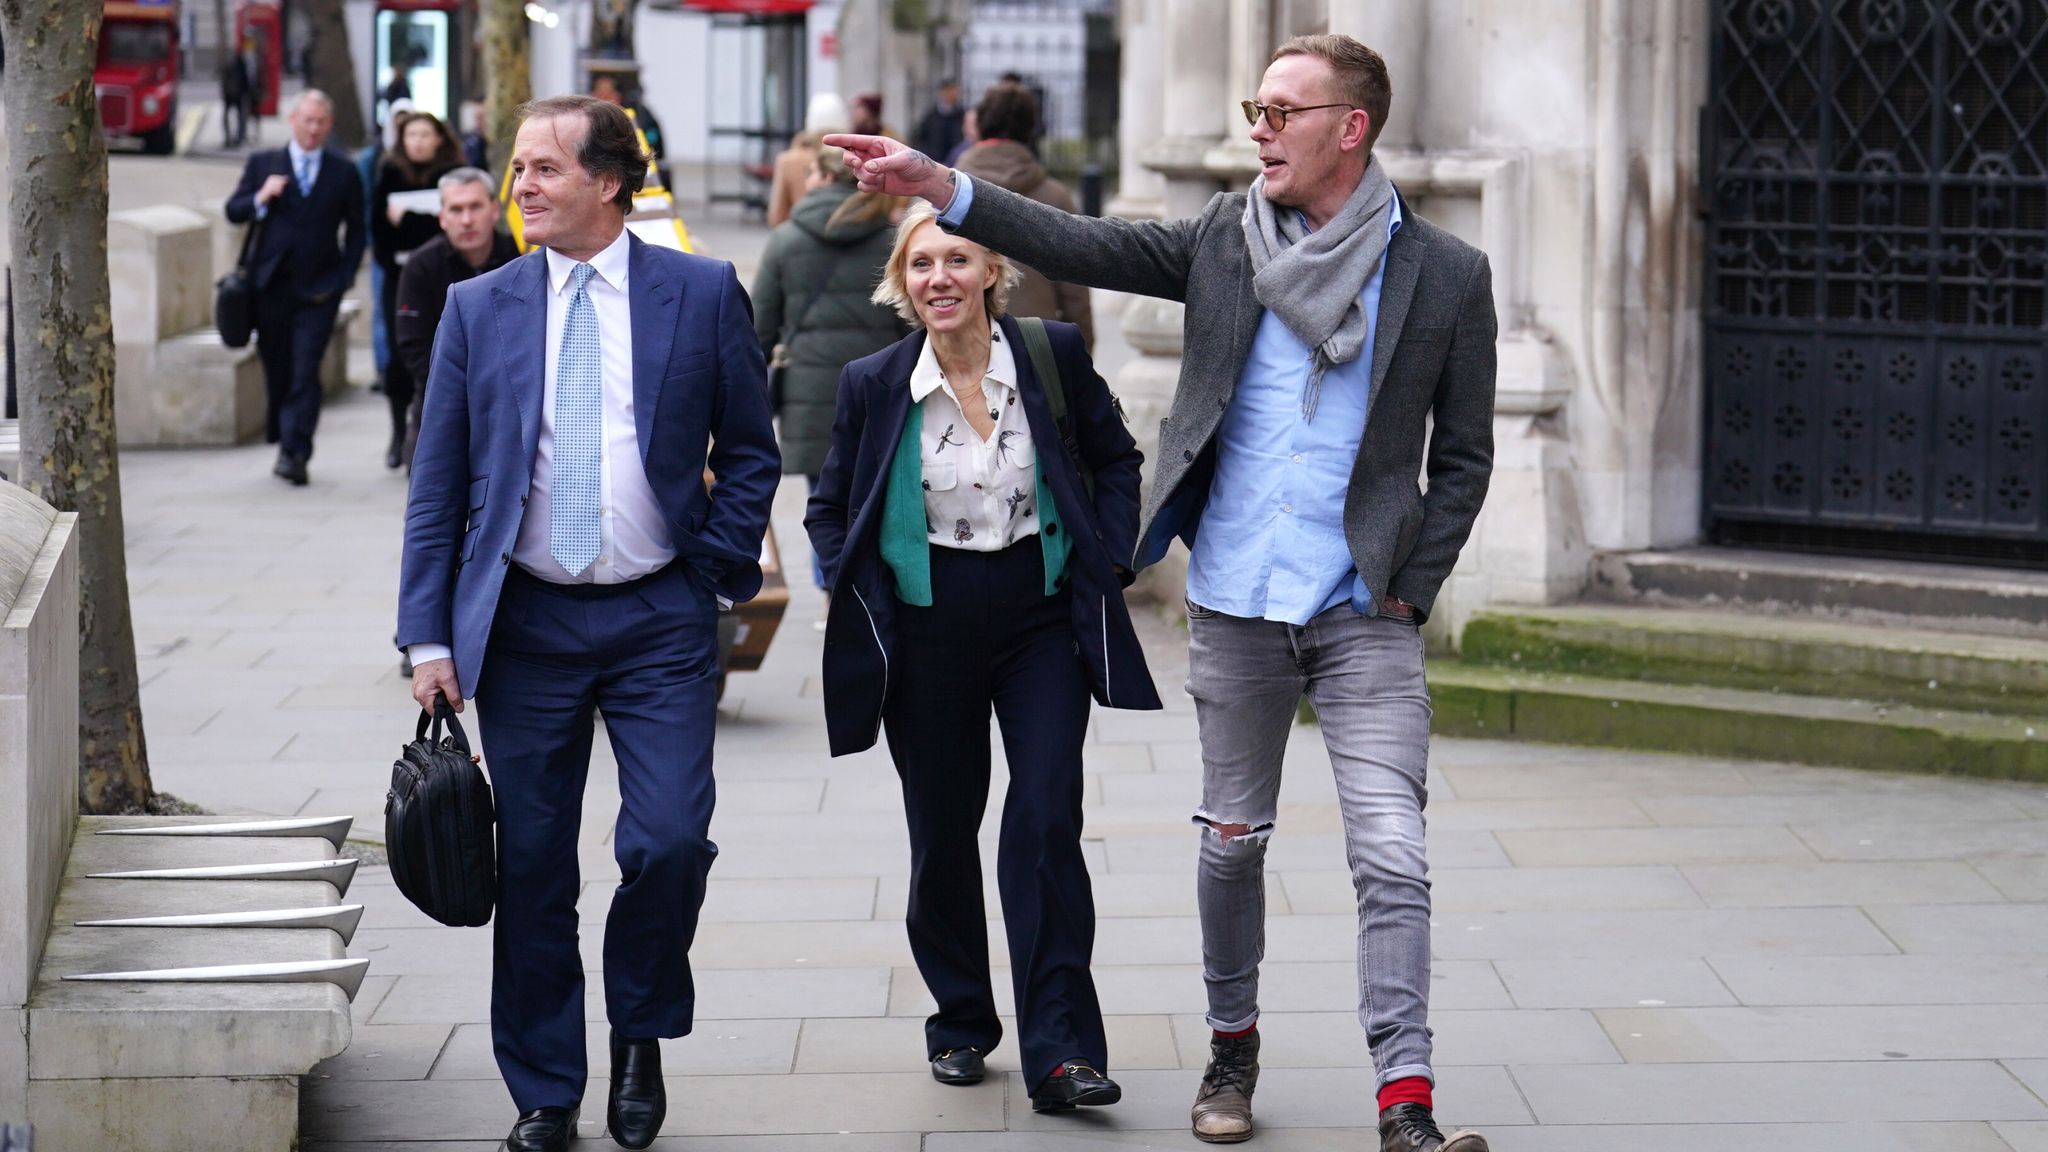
[(1229, 832)]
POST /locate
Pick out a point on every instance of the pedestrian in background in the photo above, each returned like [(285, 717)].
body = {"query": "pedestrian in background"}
[(976, 567), (612, 90), (475, 151), (469, 245), (792, 170), (941, 128), (235, 90), (814, 312), (426, 151), (970, 134), (1006, 121), (308, 202)]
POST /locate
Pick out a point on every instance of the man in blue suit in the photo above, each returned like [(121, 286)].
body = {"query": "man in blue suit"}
[(563, 557), (306, 202)]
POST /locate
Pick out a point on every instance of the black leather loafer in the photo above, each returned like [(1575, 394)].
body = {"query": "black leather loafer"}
[(290, 469), (543, 1130), (958, 1066), (639, 1101), (1076, 1085)]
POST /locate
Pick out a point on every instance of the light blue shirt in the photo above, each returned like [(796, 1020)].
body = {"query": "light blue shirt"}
[(1271, 544), (301, 160)]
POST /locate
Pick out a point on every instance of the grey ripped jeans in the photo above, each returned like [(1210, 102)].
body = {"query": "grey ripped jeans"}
[(1365, 677)]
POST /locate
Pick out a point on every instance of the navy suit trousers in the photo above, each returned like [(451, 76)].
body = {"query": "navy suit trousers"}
[(291, 339), (645, 654), (992, 639)]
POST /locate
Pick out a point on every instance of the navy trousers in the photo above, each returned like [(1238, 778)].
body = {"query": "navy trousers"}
[(992, 639), (291, 339), (645, 654)]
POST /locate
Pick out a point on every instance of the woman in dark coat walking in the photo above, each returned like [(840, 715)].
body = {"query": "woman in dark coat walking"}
[(424, 150), (976, 543), (812, 306)]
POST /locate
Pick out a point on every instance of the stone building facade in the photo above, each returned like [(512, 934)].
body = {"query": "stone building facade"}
[(1564, 137)]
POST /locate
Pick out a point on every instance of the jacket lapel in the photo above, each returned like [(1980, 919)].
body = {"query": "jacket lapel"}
[(1396, 291), (889, 416), (521, 309), (654, 306)]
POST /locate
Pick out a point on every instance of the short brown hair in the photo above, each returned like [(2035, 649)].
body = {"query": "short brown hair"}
[(610, 145), (1007, 112), (1361, 74)]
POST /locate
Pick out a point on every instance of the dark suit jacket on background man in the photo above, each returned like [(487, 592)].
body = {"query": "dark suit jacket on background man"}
[(308, 247)]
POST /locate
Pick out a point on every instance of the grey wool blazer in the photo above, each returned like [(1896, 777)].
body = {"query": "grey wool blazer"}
[(1433, 356)]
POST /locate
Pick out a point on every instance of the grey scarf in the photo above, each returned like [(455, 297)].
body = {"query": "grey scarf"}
[(1312, 280)]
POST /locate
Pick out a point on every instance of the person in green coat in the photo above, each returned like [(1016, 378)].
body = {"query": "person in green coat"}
[(812, 307)]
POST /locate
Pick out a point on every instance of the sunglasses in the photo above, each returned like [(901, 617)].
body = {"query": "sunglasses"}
[(1276, 116)]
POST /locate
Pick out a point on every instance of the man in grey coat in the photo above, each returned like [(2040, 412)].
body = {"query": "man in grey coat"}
[(1327, 327)]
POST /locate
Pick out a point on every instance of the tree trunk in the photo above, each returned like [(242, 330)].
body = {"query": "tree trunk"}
[(508, 74), (57, 221), (331, 68)]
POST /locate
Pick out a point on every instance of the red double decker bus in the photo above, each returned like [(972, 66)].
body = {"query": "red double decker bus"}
[(137, 73)]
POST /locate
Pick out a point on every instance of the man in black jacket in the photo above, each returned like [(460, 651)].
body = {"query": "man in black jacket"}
[(307, 202), (469, 245)]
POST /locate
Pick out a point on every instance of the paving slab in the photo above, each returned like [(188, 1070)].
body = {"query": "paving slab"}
[(1851, 980), (1613, 982), (1890, 1032), (1777, 1092), (1812, 885)]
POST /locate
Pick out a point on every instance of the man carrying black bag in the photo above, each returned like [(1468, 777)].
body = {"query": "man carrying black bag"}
[(438, 825), (310, 204)]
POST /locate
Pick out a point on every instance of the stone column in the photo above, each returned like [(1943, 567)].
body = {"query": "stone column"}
[(1396, 29), (38, 754), (1194, 66), (1197, 102), (1141, 192)]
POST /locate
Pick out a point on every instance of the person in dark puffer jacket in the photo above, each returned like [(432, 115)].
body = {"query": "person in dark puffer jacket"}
[(1007, 121), (811, 298)]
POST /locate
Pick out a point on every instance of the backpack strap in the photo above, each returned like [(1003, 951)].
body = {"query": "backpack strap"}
[(1047, 368)]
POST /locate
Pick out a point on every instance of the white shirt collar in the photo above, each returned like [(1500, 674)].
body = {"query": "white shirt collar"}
[(610, 264), (300, 155), (926, 378)]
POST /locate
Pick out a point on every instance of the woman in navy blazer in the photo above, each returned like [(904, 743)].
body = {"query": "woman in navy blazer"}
[(972, 569)]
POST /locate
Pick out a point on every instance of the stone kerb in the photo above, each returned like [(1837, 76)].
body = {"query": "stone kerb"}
[(38, 754), (159, 263), (175, 383)]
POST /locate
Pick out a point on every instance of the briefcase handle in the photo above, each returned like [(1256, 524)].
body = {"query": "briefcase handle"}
[(442, 712)]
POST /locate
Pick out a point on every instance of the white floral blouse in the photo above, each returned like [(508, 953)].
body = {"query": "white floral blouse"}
[(979, 495)]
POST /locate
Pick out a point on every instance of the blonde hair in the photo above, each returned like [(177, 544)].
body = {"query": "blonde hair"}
[(894, 290)]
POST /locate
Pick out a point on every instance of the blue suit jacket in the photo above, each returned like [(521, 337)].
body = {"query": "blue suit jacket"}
[(698, 380)]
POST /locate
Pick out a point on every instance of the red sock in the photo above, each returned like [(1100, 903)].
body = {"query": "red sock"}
[(1408, 1090), (1237, 1035)]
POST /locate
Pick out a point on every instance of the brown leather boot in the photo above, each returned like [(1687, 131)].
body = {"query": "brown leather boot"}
[(1223, 1105)]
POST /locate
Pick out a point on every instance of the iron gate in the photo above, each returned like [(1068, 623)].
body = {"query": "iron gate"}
[(1877, 259)]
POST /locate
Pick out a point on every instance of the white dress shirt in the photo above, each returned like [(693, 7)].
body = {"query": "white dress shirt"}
[(979, 495), (633, 538)]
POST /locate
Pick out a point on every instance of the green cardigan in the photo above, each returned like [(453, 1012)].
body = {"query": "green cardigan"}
[(906, 546)]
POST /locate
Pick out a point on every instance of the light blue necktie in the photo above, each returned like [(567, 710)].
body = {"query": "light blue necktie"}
[(579, 426), (306, 174)]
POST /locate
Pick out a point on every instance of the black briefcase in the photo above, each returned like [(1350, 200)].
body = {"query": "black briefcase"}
[(440, 826), (234, 297)]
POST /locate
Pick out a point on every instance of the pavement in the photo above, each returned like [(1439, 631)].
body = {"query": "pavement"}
[(1633, 951)]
